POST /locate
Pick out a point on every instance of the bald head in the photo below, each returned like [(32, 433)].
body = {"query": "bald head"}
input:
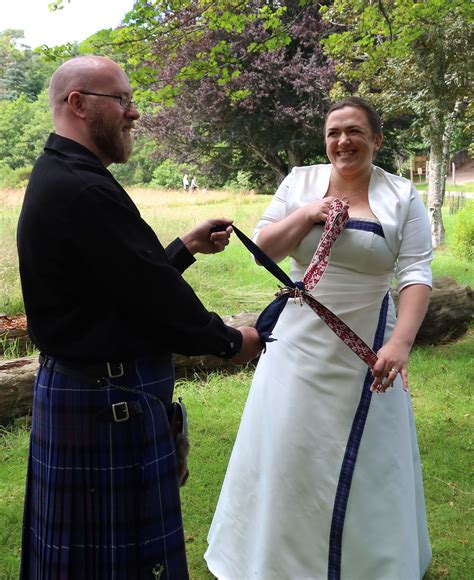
[(87, 96), (83, 73)]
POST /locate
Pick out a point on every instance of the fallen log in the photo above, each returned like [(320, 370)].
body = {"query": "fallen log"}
[(449, 314)]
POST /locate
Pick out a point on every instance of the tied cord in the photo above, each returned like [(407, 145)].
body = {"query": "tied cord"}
[(335, 223)]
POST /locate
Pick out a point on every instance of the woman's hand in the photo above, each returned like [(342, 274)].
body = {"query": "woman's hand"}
[(392, 359), (393, 356), (317, 211)]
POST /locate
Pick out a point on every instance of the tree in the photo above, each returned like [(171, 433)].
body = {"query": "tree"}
[(22, 71), (413, 57), (238, 85), (24, 127)]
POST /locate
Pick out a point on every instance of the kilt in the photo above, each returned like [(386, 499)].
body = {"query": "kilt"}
[(102, 497)]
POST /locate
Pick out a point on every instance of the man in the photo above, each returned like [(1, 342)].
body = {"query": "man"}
[(106, 306)]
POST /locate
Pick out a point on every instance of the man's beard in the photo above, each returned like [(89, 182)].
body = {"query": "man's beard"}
[(111, 140)]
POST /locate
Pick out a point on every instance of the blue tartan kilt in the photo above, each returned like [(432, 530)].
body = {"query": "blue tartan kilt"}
[(102, 498)]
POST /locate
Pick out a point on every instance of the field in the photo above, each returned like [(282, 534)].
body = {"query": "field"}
[(441, 384)]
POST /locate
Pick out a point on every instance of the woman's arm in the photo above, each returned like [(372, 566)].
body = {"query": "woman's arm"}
[(412, 307), (414, 285), (279, 239)]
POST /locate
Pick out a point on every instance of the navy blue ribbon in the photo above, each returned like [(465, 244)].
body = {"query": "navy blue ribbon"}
[(269, 316)]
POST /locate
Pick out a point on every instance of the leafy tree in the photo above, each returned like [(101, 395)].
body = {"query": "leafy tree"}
[(24, 127), (22, 71), (413, 57), (140, 168), (238, 85)]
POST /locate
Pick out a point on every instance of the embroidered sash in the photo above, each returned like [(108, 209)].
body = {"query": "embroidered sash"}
[(335, 224)]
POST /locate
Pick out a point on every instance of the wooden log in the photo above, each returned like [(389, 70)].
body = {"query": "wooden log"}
[(449, 315), (16, 387), (450, 312)]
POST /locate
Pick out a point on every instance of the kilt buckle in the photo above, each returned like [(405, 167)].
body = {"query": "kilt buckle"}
[(120, 412), (115, 370)]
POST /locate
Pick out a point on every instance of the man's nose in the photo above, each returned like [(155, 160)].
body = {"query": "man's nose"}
[(132, 112)]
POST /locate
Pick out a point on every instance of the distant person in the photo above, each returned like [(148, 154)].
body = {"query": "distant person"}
[(106, 305), (325, 476), (194, 185), (185, 183)]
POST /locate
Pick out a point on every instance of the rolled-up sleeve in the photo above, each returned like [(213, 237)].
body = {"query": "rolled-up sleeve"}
[(416, 252)]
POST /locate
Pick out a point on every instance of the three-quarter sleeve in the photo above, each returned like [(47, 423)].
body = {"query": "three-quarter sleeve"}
[(276, 210), (416, 252)]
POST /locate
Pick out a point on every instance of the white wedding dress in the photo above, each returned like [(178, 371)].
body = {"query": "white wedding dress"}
[(324, 480)]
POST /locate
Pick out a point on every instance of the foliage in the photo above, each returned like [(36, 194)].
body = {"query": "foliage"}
[(412, 58), (24, 127), (241, 182), (14, 178), (463, 234), (234, 82), (22, 71), (168, 175), (139, 168)]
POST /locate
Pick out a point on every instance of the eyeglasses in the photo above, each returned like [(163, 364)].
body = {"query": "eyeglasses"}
[(124, 102)]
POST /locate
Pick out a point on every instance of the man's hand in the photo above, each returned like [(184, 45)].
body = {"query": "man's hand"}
[(251, 346), (200, 240)]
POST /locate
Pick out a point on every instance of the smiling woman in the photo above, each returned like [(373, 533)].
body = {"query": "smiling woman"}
[(305, 494)]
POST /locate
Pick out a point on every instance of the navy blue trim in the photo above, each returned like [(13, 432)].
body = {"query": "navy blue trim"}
[(366, 226), (350, 458)]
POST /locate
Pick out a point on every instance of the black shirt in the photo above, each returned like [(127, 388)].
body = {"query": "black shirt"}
[(97, 283)]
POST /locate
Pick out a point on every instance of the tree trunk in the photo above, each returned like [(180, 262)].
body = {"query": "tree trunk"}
[(279, 168), (436, 183), (449, 314), (295, 158)]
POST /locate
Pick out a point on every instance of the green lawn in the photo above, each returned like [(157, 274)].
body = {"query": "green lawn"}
[(441, 381)]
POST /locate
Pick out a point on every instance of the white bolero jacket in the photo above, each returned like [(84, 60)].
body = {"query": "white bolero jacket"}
[(392, 199)]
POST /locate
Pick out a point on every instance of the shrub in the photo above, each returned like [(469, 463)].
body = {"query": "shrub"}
[(169, 175), (14, 178), (463, 233), (242, 181)]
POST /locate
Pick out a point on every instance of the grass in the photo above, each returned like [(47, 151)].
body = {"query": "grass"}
[(467, 187), (441, 385), (442, 390), (441, 381), (228, 282), (11, 301)]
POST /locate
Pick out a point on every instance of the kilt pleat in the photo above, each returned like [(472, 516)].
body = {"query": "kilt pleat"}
[(102, 498)]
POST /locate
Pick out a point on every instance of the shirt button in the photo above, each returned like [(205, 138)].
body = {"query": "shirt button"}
[(231, 345)]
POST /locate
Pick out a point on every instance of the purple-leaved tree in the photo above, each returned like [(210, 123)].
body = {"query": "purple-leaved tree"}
[(238, 90)]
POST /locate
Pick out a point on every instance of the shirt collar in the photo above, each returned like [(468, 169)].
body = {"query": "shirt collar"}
[(71, 148)]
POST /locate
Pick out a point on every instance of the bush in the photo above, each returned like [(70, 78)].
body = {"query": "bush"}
[(463, 233), (169, 175), (14, 178), (242, 181)]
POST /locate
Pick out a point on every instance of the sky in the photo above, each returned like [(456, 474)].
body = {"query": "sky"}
[(78, 20)]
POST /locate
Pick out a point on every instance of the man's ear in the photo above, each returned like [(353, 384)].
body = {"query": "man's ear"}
[(76, 104)]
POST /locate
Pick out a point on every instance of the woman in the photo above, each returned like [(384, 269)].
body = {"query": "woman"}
[(325, 479)]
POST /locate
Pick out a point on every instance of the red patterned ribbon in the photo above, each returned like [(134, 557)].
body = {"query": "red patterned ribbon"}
[(335, 224)]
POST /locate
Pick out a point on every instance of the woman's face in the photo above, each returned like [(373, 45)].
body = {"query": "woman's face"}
[(350, 142)]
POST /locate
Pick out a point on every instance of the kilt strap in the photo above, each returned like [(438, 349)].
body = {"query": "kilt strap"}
[(90, 373), (120, 412)]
